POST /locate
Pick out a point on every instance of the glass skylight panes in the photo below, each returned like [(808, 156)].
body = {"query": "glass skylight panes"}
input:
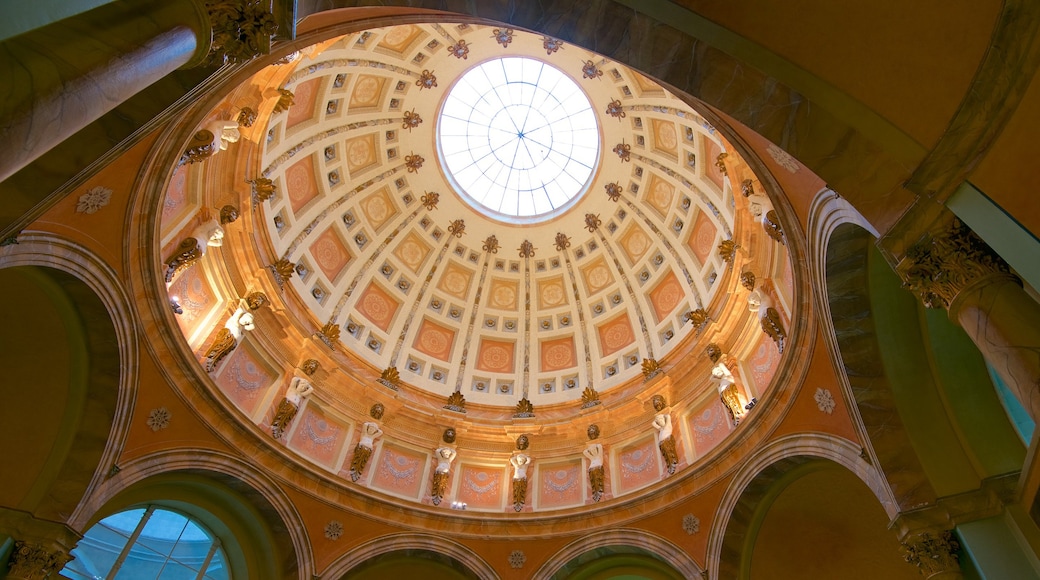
[(169, 546), (519, 138)]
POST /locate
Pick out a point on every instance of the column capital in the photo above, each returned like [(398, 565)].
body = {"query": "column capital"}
[(32, 561), (242, 30), (934, 554), (946, 262)]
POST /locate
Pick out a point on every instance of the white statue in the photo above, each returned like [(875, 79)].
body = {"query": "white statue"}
[(240, 322), (594, 453), (299, 389), (224, 133), (445, 455), (520, 461), (663, 424), (758, 303), (209, 234), (721, 375), (369, 433), (759, 205), (728, 391)]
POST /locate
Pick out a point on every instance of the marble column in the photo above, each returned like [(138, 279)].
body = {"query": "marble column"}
[(956, 270), (61, 77)]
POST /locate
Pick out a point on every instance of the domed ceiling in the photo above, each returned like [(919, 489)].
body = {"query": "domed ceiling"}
[(504, 239), (461, 299)]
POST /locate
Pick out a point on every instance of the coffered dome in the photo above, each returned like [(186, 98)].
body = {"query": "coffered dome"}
[(508, 229)]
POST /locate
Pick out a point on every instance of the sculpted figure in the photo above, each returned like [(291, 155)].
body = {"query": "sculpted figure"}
[(769, 318), (229, 336), (594, 453), (444, 455), (519, 461), (728, 391), (665, 441), (299, 389), (369, 433), (192, 248)]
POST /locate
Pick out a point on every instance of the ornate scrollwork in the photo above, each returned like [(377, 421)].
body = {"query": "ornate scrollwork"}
[(669, 454), (596, 482), (771, 224), (589, 70), (221, 347), (623, 151), (201, 147), (430, 200), (491, 244), (459, 50), (551, 45), (426, 80), (614, 109), (503, 36), (526, 249), (411, 120), (413, 162), (562, 241), (456, 402), (457, 228), (390, 378), (592, 221), (651, 368), (524, 409), (613, 190), (242, 30), (932, 554), (184, 257), (938, 269), (747, 188), (283, 418), (773, 326)]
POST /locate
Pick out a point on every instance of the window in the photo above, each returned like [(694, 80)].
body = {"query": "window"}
[(148, 542), (519, 139)]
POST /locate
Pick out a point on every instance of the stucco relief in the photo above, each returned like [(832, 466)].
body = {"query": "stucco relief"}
[(399, 470), (496, 356), (615, 334), (455, 280), (560, 484), (435, 340), (379, 208), (300, 184), (709, 425), (377, 305), (666, 296), (638, 465), (330, 254), (702, 239), (412, 251), (244, 379), (480, 487), (302, 109), (558, 354), (367, 91), (503, 294)]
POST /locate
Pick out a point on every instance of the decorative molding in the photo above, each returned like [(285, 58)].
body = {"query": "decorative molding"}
[(691, 524), (333, 530), (824, 400), (31, 561), (94, 199), (517, 559), (242, 30), (159, 418), (932, 554)]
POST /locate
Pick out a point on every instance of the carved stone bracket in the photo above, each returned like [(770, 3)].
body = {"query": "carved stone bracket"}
[(184, 257)]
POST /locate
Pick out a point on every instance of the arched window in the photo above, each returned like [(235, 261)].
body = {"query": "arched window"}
[(148, 542)]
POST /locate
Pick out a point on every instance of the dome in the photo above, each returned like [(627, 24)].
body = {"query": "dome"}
[(487, 230)]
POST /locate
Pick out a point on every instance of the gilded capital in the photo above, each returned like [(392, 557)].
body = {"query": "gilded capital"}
[(242, 30), (32, 561), (937, 269), (932, 554)]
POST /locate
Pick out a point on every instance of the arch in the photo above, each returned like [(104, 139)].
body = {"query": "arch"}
[(466, 557), (750, 485), (231, 496), (629, 540), (101, 390), (915, 395)]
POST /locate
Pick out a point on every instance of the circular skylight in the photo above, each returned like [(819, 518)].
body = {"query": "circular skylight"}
[(519, 138)]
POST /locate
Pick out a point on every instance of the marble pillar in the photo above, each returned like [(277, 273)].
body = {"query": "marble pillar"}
[(63, 76), (956, 270)]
